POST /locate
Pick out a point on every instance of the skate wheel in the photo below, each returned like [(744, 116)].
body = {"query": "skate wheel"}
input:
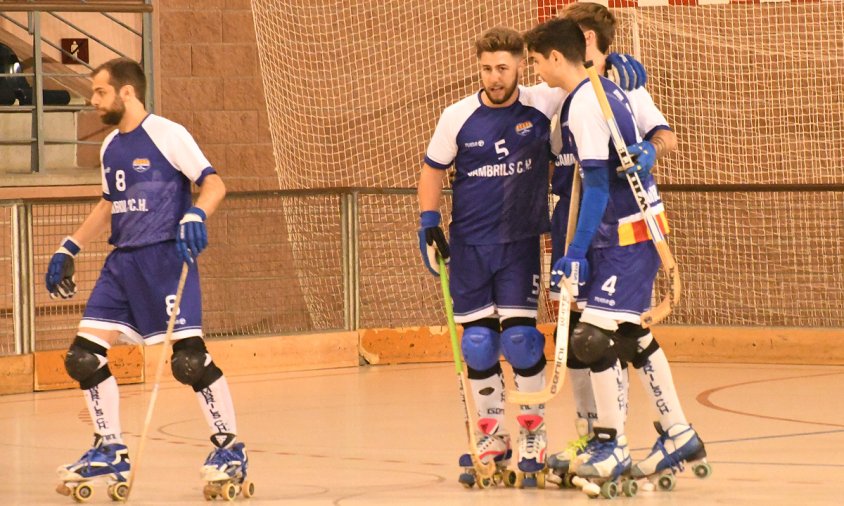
[(485, 483), (229, 491), (82, 492), (666, 482), (509, 478), (63, 489), (629, 488), (609, 490), (568, 480), (540, 480), (702, 470), (248, 489), (467, 480), (529, 481), (210, 492), (118, 491)]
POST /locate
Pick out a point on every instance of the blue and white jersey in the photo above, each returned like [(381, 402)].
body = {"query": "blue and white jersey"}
[(147, 176), (586, 137), (501, 157)]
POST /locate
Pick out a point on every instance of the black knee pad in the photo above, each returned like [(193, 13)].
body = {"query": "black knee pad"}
[(644, 354), (188, 364), (82, 363), (479, 375), (590, 344), (627, 340)]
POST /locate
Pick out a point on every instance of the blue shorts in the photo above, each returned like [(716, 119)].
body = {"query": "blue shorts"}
[(559, 223), (621, 281), (136, 291), (495, 278)]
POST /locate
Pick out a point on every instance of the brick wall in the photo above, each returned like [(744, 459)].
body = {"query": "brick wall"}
[(210, 82)]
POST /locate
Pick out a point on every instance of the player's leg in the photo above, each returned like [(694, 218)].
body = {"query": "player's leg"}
[(156, 274), (516, 297), (106, 316), (471, 289)]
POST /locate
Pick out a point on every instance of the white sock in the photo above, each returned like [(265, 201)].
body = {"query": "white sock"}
[(584, 399), (489, 397), (533, 383), (659, 385), (103, 403), (609, 398), (625, 385), (217, 406)]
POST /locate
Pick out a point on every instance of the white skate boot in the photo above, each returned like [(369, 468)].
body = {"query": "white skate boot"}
[(606, 464), (563, 465), (532, 445), (678, 445), (103, 462), (493, 445), (224, 470)]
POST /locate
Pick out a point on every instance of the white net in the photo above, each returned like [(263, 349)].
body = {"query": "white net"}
[(754, 92)]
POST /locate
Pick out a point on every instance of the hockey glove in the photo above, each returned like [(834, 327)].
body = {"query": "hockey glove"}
[(432, 241), (625, 71), (644, 157), (61, 281), (573, 267), (193, 236)]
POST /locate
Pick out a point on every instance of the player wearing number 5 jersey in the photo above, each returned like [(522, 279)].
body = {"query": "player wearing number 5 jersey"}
[(148, 166)]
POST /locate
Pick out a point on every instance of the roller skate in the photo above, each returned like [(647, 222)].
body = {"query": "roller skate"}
[(103, 462), (532, 444), (493, 443), (563, 465), (224, 470), (606, 467), (678, 445)]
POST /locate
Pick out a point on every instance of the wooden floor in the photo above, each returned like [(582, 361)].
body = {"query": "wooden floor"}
[(392, 435)]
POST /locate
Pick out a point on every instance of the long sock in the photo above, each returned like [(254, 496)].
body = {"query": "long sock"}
[(488, 394), (103, 403), (218, 408), (609, 400), (584, 399), (533, 383), (625, 390), (659, 385)]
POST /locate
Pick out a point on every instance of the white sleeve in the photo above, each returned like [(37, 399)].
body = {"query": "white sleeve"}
[(185, 155), (106, 142), (442, 150), (647, 114), (589, 128)]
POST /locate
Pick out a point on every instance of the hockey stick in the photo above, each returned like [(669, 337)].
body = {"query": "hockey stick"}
[(654, 315), (484, 470), (561, 351), (158, 371)]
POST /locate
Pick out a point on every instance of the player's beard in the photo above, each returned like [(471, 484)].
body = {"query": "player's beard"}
[(114, 115), (508, 94)]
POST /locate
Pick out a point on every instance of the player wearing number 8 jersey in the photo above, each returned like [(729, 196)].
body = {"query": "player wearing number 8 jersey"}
[(148, 165)]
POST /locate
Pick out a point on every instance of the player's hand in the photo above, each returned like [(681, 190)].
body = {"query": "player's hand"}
[(61, 281), (432, 241), (644, 158), (572, 269), (192, 237), (625, 71)]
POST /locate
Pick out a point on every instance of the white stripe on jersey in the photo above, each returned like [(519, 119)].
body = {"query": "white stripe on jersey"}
[(177, 146)]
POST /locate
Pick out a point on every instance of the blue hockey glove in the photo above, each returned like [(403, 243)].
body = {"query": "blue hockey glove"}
[(644, 156), (625, 71), (432, 241), (193, 236), (61, 281), (573, 267)]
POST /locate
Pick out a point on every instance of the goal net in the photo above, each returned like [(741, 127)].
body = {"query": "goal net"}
[(754, 91)]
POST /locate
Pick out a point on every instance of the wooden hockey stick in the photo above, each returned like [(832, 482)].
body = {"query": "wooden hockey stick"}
[(168, 336), (484, 470), (656, 314), (561, 350)]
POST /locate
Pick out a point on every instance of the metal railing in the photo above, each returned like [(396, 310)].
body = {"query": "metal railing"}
[(33, 27)]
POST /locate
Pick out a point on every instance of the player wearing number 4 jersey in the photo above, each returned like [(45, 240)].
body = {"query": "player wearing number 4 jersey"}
[(498, 142), (148, 165)]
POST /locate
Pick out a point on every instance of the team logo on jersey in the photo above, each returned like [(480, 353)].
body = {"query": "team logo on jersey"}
[(140, 164), (524, 128)]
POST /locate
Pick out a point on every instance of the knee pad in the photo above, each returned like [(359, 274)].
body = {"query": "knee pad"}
[(627, 340), (646, 346), (589, 343), (524, 348), (86, 363), (481, 348), (191, 364)]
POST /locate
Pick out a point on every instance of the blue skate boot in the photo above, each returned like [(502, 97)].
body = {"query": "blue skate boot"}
[(605, 465), (563, 465), (533, 442), (224, 471), (678, 445), (493, 444), (103, 462)]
